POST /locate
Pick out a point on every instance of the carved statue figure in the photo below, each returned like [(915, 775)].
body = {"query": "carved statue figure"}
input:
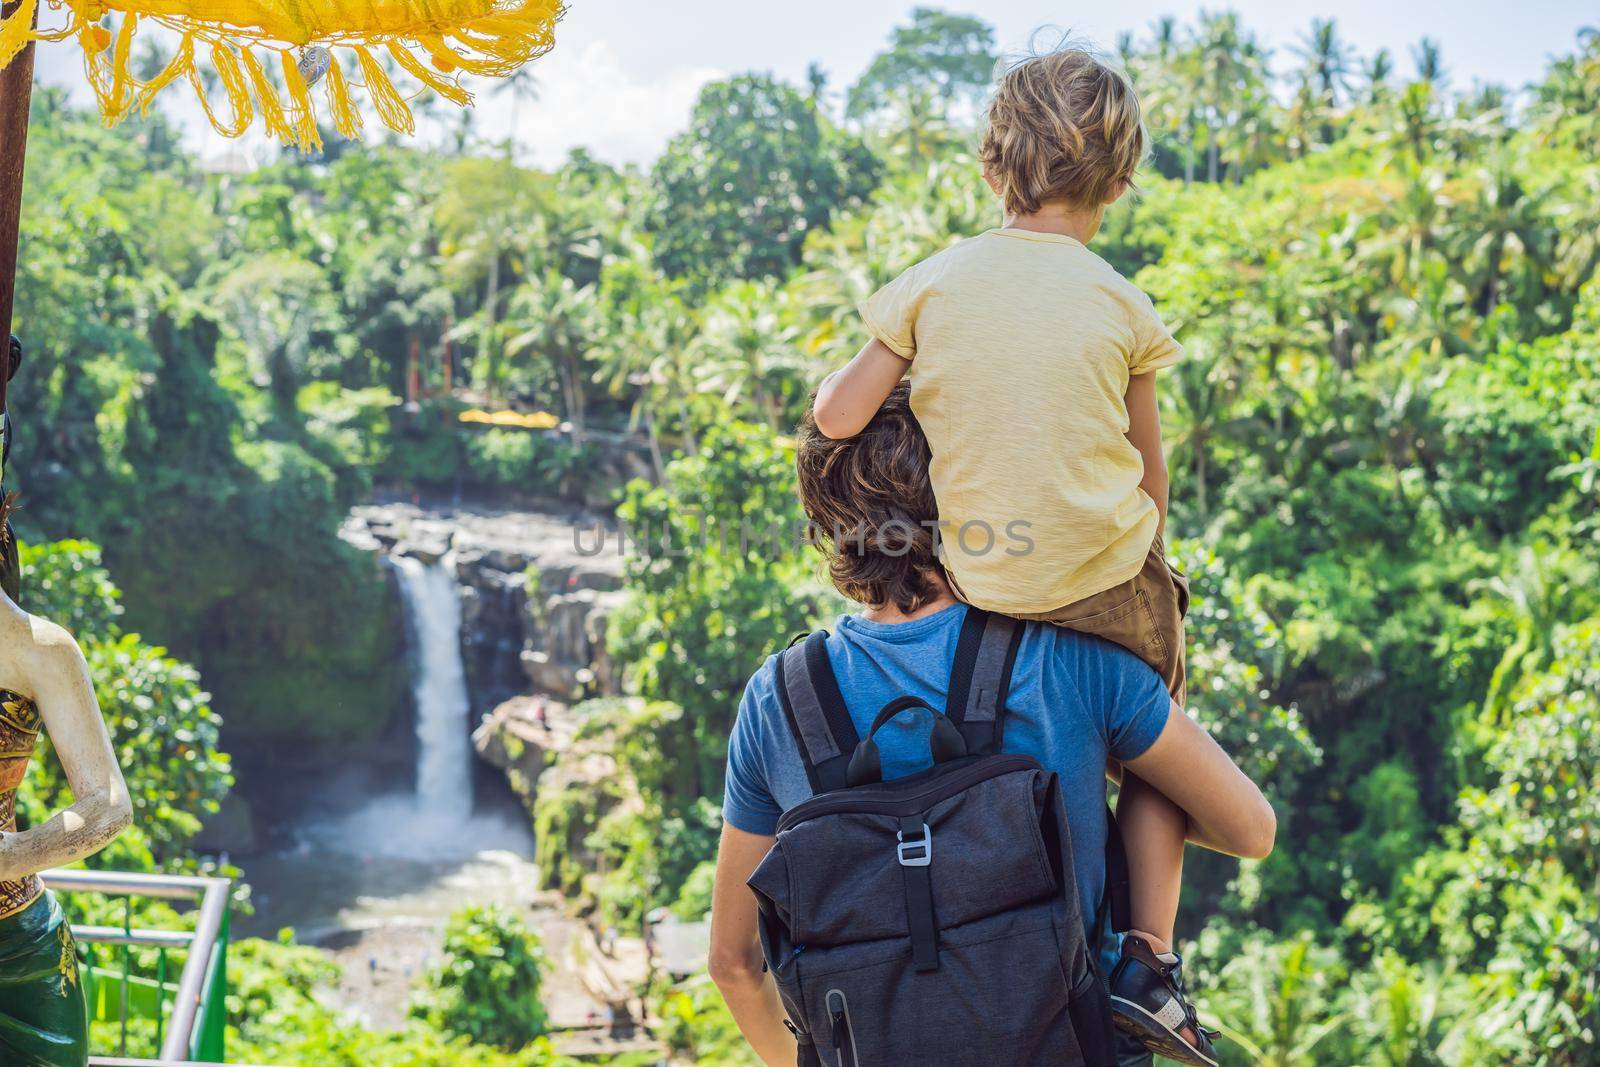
[(45, 685)]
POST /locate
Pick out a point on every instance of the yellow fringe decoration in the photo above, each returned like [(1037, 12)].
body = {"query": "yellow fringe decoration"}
[(302, 110), (444, 86), (17, 31), (231, 78), (433, 43), (181, 63), (346, 119), (121, 95), (266, 95), (386, 98)]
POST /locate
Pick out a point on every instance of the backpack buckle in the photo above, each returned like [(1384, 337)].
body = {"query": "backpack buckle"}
[(918, 852)]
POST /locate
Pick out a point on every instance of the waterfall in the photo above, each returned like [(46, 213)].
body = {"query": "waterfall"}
[(434, 822), (444, 753)]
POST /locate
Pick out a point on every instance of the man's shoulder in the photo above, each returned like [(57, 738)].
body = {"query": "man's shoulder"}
[(762, 688), (1067, 654)]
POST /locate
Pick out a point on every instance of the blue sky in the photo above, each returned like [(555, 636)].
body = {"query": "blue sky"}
[(625, 72)]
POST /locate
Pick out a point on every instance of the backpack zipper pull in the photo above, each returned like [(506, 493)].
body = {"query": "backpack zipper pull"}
[(843, 1041)]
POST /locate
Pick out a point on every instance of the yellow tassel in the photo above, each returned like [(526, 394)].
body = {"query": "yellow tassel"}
[(95, 40), (448, 60), (226, 63), (266, 94), (391, 106), (306, 134), (509, 44), (498, 55), (17, 31), (445, 87), (121, 93), (431, 43), (346, 119), (181, 63)]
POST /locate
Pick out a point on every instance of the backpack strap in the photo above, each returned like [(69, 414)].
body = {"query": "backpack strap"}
[(1116, 906), (815, 708), (980, 678)]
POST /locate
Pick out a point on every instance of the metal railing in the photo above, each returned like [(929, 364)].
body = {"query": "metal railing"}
[(192, 1031)]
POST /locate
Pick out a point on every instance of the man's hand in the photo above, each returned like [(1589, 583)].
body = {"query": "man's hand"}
[(736, 950)]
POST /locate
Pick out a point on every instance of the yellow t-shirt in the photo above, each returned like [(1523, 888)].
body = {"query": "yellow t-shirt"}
[(1022, 345)]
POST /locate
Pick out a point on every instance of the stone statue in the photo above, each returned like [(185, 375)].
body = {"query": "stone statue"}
[(45, 685)]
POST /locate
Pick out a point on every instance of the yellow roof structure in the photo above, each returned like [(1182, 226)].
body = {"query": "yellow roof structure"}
[(268, 56), (533, 420)]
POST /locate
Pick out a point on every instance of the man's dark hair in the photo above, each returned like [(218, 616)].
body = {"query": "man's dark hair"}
[(871, 506)]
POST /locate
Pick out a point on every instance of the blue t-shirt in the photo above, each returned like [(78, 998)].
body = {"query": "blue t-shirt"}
[(1075, 700)]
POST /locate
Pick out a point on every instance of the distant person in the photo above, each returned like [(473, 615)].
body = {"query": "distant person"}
[(1076, 701), (1033, 371)]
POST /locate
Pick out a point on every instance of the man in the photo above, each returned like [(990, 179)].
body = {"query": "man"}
[(1076, 703)]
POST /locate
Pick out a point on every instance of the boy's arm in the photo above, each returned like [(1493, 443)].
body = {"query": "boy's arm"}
[(736, 949), (847, 399), (1144, 432)]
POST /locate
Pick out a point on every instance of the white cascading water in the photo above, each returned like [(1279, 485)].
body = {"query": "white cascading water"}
[(439, 683), (434, 822)]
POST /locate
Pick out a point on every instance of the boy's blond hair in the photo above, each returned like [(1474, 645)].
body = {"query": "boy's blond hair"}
[(1064, 125)]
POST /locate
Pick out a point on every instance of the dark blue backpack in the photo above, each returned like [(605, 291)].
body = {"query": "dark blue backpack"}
[(932, 919)]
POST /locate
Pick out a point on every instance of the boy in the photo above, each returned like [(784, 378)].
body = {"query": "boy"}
[(1033, 367)]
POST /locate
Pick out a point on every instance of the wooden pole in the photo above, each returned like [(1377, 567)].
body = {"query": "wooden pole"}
[(16, 92)]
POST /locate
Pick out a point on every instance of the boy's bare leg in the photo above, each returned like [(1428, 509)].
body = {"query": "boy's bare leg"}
[(1153, 832)]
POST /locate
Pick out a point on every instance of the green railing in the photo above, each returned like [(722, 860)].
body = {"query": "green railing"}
[(186, 1005)]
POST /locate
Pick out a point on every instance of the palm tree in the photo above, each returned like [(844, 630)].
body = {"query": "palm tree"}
[(1277, 1013), (279, 303), (1411, 227), (817, 85), (1376, 73), (1166, 78), (1539, 593), (491, 221), (920, 127), (1199, 394), (747, 353), (1413, 1017), (644, 351), (1429, 61), (1504, 231), (522, 86), (1569, 96), (1228, 79), (1327, 62), (549, 317)]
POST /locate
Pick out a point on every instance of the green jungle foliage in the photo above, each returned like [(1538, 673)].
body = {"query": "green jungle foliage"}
[(1385, 445), (487, 987)]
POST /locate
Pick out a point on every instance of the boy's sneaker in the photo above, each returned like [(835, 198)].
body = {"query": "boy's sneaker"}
[(1147, 1001)]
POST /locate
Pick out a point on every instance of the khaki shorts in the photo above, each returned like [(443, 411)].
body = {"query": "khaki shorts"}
[(1144, 615)]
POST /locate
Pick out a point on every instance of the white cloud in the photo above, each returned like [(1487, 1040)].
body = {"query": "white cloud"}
[(587, 97)]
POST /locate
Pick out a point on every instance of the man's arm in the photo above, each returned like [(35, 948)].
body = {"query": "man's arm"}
[(736, 950), (848, 398), (1144, 432), (1227, 813)]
